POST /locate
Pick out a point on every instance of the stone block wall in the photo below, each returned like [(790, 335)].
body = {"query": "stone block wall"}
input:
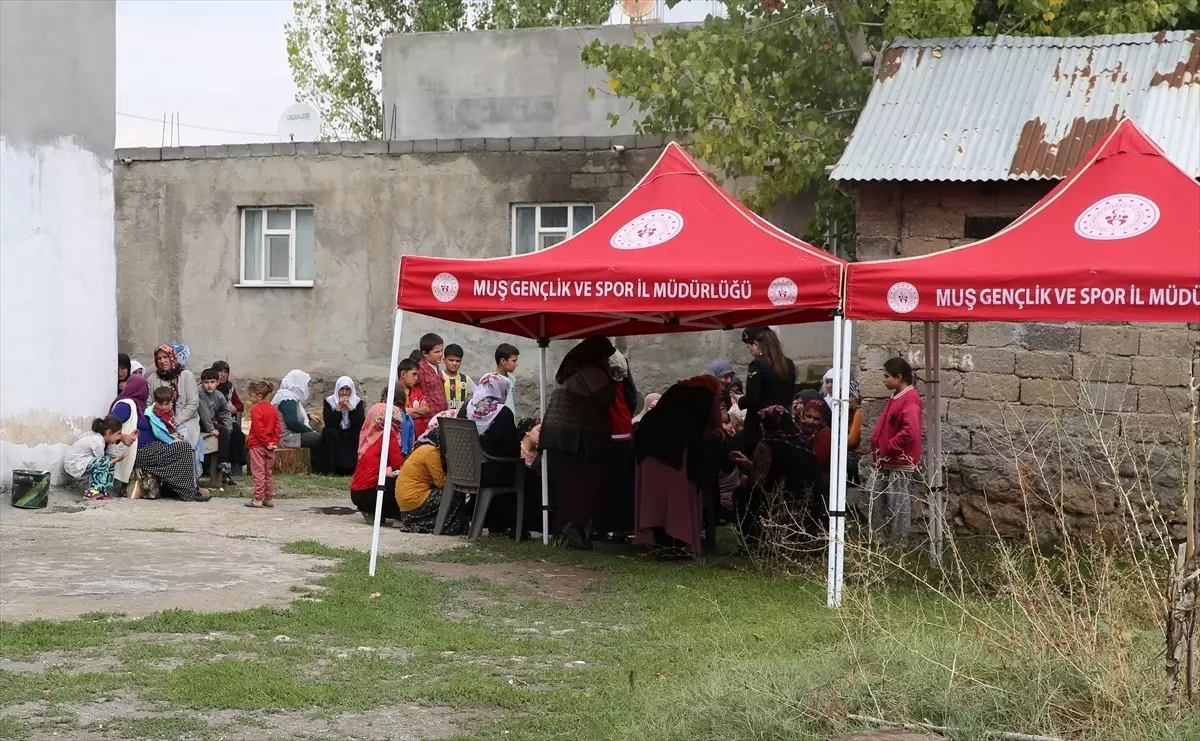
[(1043, 424)]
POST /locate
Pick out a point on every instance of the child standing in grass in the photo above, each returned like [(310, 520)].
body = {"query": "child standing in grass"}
[(263, 441), (86, 458)]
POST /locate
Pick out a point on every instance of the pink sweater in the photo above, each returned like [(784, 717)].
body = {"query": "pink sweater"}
[(896, 440)]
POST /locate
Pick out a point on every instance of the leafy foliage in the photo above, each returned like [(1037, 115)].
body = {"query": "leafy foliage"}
[(335, 47), (772, 91)]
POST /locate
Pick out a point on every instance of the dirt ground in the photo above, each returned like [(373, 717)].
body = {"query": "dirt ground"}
[(137, 557)]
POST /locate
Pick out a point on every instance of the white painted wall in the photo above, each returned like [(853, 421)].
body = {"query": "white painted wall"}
[(58, 320)]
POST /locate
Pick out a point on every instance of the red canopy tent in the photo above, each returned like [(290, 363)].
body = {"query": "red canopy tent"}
[(1117, 241), (676, 254)]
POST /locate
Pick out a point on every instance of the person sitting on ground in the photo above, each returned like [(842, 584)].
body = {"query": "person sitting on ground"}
[(216, 421), (458, 386), (419, 488), (814, 432), (507, 359), (127, 407), (171, 461), (293, 419), (265, 433), (366, 472), (87, 459), (780, 477), (895, 453), (429, 378), (343, 414), (676, 465)]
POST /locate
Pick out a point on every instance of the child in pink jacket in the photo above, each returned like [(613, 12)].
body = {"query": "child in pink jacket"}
[(896, 452)]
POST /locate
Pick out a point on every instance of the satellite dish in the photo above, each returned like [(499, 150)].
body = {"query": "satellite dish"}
[(637, 9), (300, 123)]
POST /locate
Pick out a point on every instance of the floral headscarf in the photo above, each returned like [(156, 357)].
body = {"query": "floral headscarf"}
[(177, 353), (372, 428), (618, 367), (777, 424), (487, 401), (433, 433)]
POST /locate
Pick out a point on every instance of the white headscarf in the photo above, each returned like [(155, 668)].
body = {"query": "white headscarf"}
[(332, 399), (135, 366), (618, 366), (828, 397), (487, 401), (293, 387)]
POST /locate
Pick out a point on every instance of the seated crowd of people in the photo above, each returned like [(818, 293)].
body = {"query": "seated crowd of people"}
[(616, 469)]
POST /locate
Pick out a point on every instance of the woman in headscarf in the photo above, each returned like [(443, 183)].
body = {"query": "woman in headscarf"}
[(676, 464), (174, 464), (615, 512), (293, 419), (497, 428), (170, 370), (770, 382), (124, 369), (343, 413), (420, 485), (128, 407), (854, 433), (136, 368), (366, 472), (577, 440), (237, 438), (783, 474), (723, 370)]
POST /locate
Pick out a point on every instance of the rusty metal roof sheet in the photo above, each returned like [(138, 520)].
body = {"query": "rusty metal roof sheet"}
[(1022, 108)]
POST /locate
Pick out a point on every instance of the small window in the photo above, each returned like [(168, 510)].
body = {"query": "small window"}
[(982, 227), (278, 246), (536, 227)]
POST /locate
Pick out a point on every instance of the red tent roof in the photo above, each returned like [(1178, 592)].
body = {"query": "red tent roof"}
[(1118, 240), (676, 254)]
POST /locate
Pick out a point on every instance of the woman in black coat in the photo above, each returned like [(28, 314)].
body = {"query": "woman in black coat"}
[(771, 381)]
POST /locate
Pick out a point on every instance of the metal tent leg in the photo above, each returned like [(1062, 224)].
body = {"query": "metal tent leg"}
[(387, 431)]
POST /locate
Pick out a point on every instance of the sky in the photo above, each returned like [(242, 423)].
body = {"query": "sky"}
[(221, 66)]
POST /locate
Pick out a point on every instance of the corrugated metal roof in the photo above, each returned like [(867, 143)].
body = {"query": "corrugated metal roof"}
[(1022, 108)]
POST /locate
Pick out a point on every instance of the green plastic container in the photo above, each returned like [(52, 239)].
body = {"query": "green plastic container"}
[(31, 489)]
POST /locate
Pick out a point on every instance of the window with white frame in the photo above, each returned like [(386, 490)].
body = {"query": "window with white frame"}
[(278, 246), (538, 226)]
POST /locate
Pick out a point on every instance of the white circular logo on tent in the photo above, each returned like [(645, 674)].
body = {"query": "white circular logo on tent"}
[(1117, 217), (783, 292), (445, 287), (648, 230), (903, 297)]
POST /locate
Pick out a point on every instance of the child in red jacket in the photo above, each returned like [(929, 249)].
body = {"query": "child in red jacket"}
[(263, 440), (895, 452)]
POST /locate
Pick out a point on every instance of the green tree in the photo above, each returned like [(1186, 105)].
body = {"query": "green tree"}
[(773, 90), (335, 47)]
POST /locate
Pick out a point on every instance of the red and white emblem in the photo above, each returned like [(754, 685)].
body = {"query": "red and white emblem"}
[(648, 230), (903, 297), (1117, 217), (445, 287), (783, 292)]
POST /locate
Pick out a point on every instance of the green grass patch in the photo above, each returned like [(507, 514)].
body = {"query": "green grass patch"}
[(664, 651)]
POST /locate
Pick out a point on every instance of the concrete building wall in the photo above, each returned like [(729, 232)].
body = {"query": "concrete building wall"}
[(57, 265), (178, 245), (1005, 384), (527, 82)]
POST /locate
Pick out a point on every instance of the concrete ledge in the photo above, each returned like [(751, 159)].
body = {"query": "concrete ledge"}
[(360, 148)]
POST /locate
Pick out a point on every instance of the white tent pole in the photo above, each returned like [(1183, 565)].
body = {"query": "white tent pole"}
[(841, 443), (543, 343), (936, 487), (833, 575), (387, 431)]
